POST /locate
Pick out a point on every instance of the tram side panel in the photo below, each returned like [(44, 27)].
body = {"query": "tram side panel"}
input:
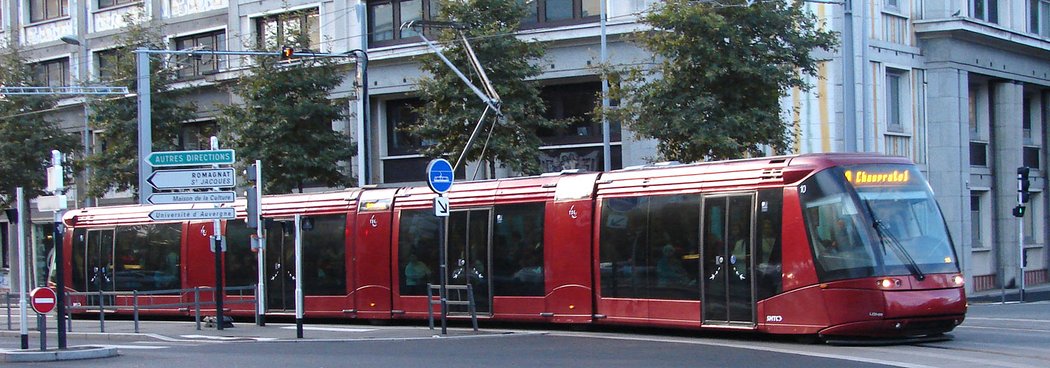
[(197, 262), (800, 309), (371, 263), (569, 286)]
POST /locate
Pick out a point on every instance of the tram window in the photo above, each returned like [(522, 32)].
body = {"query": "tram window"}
[(324, 256), (840, 245), (79, 249), (146, 257), (674, 255), (517, 250), (624, 247), (769, 277), (240, 261), (417, 253)]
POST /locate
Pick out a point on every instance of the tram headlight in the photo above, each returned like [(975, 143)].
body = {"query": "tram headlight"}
[(958, 280), (889, 283)]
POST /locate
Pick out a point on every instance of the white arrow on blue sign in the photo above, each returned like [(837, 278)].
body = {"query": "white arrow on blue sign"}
[(439, 175), (193, 178)]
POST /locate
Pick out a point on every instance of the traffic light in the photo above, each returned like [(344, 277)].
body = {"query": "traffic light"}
[(1019, 211), (253, 174), (287, 53), (1023, 185)]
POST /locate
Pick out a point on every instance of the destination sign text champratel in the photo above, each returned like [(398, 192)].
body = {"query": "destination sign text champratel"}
[(191, 158)]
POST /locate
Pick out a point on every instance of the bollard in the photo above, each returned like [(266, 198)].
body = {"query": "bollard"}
[(197, 306), (135, 303), (41, 325)]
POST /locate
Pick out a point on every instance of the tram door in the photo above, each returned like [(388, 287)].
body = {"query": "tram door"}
[(727, 270), (469, 243), (99, 264), (280, 265)]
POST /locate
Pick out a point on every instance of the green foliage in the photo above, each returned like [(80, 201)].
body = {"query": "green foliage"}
[(451, 110), (26, 135), (286, 121), (115, 165), (723, 66)]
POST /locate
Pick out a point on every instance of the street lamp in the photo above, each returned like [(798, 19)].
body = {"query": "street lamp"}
[(82, 78), (362, 120)]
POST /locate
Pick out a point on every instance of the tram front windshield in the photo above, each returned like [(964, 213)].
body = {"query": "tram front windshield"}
[(875, 220)]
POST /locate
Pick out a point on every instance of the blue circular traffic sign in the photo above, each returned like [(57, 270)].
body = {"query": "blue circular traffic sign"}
[(439, 175)]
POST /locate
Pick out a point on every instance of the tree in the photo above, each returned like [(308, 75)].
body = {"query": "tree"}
[(115, 165), (26, 135), (723, 66), (286, 121), (450, 109)]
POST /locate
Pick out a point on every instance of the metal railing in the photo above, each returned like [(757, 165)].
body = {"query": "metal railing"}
[(184, 305)]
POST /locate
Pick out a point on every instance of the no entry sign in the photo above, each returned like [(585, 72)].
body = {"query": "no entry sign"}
[(43, 300)]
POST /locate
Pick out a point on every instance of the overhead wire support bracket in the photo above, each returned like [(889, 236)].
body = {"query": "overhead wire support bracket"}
[(489, 96)]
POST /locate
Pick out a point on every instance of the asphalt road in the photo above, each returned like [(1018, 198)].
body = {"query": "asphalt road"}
[(994, 335)]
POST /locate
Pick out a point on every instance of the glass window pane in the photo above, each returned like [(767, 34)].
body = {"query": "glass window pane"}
[(674, 252), (591, 8), (381, 22), (240, 261), (623, 248), (558, 10), (410, 10), (517, 250), (532, 11), (417, 254), (313, 29), (147, 257), (324, 255)]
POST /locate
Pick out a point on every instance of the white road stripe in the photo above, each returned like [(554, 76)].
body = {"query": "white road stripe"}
[(333, 329)]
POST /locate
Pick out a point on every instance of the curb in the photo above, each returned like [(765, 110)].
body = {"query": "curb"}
[(77, 353)]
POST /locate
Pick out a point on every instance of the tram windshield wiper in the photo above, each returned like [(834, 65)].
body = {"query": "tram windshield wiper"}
[(882, 230)]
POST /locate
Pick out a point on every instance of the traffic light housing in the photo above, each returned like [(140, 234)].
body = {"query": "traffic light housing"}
[(252, 175), (287, 53), (1023, 185)]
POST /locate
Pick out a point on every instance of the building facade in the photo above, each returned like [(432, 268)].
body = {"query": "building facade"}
[(961, 87)]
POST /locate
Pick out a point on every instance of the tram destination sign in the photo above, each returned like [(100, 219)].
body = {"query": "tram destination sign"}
[(225, 213), (193, 178), (192, 197), (191, 158)]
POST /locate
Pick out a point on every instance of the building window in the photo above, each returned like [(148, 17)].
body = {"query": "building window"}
[(1040, 17), (385, 18), (894, 101), (196, 65), (108, 3), (893, 5), (976, 220), (1031, 157), (978, 154), (555, 12), (400, 113), (109, 61), (51, 73), (298, 29), (1031, 231), (986, 10), (197, 135), (41, 10)]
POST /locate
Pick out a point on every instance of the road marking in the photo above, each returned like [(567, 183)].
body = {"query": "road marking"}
[(1004, 328), (333, 329), (753, 347), (227, 338), (128, 347), (1006, 319)]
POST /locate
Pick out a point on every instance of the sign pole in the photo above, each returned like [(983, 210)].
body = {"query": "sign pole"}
[(440, 175), (299, 276), (260, 294), (220, 321), (60, 281), (443, 257), (23, 213)]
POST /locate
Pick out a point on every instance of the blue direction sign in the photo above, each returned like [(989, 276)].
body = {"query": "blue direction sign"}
[(193, 178), (194, 214), (191, 158), (439, 175)]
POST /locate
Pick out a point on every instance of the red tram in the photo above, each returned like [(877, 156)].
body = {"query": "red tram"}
[(826, 244)]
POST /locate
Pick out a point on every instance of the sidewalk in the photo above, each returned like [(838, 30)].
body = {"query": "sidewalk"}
[(1034, 293), (186, 331)]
